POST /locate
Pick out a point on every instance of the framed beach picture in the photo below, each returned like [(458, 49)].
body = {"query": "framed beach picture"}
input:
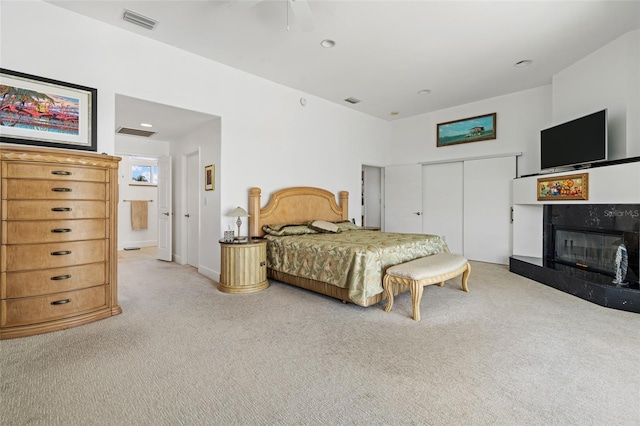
[(472, 129), (209, 178), (40, 111), (560, 188)]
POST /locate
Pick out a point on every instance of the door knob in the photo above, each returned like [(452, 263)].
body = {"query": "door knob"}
[(418, 213), (187, 215), (166, 213)]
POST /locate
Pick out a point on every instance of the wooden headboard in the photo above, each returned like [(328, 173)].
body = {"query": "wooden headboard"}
[(300, 204)]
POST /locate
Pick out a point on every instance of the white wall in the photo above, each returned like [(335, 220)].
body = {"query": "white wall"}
[(607, 78), (520, 116), (322, 144), (205, 140)]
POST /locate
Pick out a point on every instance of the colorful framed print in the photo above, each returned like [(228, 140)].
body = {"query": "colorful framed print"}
[(44, 112), (472, 129), (209, 178), (560, 188)]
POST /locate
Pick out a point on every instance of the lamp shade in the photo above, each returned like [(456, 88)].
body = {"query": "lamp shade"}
[(238, 212)]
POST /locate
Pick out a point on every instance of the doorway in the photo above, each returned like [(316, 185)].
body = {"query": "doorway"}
[(371, 203)]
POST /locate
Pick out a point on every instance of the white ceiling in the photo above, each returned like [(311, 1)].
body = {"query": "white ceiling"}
[(386, 51)]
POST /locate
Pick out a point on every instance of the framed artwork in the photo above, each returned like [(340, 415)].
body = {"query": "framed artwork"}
[(560, 188), (44, 112), (209, 178), (472, 129)]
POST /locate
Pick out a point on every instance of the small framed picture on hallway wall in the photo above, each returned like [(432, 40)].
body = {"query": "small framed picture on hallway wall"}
[(209, 178)]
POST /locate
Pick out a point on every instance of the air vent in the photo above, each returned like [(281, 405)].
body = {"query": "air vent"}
[(139, 20), (353, 100), (135, 132)]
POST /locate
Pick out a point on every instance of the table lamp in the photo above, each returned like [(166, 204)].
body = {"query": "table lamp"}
[(238, 212)]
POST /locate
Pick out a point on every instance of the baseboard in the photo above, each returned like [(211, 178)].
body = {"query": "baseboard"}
[(209, 273), (147, 243)]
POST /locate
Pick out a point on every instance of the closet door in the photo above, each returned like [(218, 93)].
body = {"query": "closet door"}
[(487, 209), (442, 189), (403, 199)]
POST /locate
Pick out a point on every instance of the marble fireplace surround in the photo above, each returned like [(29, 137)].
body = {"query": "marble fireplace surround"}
[(619, 222), (613, 205)]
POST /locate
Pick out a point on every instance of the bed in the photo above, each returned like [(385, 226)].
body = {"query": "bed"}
[(348, 264)]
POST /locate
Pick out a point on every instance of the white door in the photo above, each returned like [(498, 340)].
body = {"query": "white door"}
[(403, 199), (192, 216), (487, 209), (164, 209), (442, 190)]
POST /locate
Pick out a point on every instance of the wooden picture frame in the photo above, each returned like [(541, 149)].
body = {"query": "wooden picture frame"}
[(209, 178), (41, 111), (561, 188), (472, 129)]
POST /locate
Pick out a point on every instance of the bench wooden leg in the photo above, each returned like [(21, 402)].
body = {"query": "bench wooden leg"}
[(388, 292), (465, 277), (416, 297)]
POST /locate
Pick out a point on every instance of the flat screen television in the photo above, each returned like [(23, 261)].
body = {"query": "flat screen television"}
[(576, 142)]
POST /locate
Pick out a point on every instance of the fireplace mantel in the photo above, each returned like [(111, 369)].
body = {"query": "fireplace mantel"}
[(613, 184)]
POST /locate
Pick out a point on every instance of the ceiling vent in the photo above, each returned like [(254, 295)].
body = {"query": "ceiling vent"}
[(353, 100), (139, 20), (135, 132)]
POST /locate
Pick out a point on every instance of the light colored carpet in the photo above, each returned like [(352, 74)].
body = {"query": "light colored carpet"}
[(511, 351)]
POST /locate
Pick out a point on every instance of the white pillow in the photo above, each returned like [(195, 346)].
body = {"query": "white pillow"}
[(324, 226)]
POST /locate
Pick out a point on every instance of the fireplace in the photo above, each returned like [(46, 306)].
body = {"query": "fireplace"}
[(582, 250), (586, 237)]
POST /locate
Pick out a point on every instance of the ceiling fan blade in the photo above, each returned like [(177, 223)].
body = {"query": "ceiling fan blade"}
[(302, 11), (243, 4)]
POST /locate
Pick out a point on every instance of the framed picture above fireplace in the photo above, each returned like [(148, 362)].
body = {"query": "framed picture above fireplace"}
[(560, 188)]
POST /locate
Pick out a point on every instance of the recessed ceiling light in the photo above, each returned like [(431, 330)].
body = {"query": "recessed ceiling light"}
[(524, 63), (146, 125), (395, 112), (328, 44), (424, 92)]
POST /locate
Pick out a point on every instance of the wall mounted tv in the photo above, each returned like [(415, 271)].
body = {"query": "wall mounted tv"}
[(576, 142)]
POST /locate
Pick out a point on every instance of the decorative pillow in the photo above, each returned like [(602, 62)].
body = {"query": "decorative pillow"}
[(346, 225), (323, 226), (288, 229)]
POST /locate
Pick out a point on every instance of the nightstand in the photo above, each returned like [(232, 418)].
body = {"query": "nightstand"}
[(243, 268)]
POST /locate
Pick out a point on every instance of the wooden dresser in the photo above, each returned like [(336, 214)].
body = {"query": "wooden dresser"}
[(58, 253)]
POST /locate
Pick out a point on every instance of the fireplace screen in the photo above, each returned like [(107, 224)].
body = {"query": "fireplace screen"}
[(592, 250)]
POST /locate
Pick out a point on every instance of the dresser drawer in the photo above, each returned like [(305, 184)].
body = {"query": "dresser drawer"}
[(52, 209), (49, 281), (43, 256), (32, 310), (54, 171), (49, 231), (23, 189)]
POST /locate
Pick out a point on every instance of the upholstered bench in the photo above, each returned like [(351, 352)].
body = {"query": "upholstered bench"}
[(424, 271)]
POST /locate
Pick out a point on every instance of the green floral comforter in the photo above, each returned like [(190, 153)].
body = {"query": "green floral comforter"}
[(355, 259)]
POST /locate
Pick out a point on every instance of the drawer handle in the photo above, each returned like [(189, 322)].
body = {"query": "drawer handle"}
[(60, 253), (60, 277), (60, 230), (263, 263), (61, 189), (61, 209), (61, 173), (61, 302)]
